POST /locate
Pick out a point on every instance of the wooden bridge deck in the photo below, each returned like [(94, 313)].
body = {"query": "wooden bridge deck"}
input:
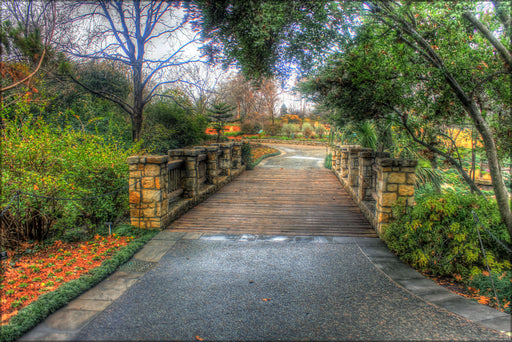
[(279, 202)]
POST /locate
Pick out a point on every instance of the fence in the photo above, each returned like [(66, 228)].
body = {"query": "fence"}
[(172, 184), (374, 180)]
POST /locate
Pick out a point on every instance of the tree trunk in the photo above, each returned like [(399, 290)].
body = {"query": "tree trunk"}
[(498, 183), (138, 104)]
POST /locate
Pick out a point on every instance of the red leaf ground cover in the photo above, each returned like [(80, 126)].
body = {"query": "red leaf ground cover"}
[(259, 151), (25, 279)]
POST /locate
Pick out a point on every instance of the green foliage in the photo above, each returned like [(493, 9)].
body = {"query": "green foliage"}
[(290, 128), (59, 163), (247, 155), (438, 234), (253, 33), (427, 176), (169, 125), (328, 161), (307, 130), (50, 302), (502, 283), (320, 130), (251, 127)]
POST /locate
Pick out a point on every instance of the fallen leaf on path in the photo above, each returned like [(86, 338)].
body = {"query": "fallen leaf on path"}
[(199, 338)]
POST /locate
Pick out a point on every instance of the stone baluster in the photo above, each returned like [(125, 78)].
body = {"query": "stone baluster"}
[(366, 160), (190, 180), (212, 166), (237, 155)]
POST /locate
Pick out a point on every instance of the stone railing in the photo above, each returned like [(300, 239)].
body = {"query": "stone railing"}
[(292, 142), (374, 181), (166, 186)]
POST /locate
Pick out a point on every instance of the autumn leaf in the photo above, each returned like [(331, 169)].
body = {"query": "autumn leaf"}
[(48, 269), (483, 300), (199, 338), (266, 299)]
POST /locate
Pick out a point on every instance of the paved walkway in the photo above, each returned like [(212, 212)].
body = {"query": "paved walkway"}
[(194, 286)]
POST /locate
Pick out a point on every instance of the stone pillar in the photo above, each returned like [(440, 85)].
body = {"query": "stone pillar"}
[(225, 158), (236, 156), (395, 180), (190, 181), (366, 160), (212, 167), (353, 166), (336, 158), (344, 162), (147, 196)]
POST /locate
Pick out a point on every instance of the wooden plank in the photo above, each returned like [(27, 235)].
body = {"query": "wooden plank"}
[(279, 202)]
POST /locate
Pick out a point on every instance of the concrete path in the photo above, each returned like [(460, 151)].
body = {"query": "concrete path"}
[(193, 286)]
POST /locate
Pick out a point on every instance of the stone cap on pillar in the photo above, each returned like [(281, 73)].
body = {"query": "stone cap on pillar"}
[(157, 159), (366, 153), (192, 152), (391, 162), (356, 149), (178, 152), (135, 160), (212, 148)]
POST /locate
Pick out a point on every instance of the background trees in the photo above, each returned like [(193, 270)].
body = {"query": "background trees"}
[(149, 38)]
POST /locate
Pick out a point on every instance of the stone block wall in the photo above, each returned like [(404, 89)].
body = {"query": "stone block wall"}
[(154, 201), (374, 181)]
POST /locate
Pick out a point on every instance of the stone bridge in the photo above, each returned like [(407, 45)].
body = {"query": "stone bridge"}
[(355, 198)]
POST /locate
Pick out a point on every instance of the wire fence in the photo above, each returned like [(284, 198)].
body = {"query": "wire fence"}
[(12, 220)]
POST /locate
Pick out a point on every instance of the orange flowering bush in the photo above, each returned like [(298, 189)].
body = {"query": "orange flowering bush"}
[(24, 280)]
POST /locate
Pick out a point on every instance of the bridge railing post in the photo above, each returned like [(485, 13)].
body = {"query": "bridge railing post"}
[(212, 166), (366, 160), (225, 158), (395, 180), (335, 161), (353, 171), (190, 180), (236, 155), (147, 196)]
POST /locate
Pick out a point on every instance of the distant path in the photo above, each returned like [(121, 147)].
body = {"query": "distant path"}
[(290, 194)]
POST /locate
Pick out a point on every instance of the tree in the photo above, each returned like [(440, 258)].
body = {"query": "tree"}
[(269, 97), (26, 32), (202, 85), (269, 37), (128, 32), (220, 114), (283, 111), (403, 20), (239, 92)]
